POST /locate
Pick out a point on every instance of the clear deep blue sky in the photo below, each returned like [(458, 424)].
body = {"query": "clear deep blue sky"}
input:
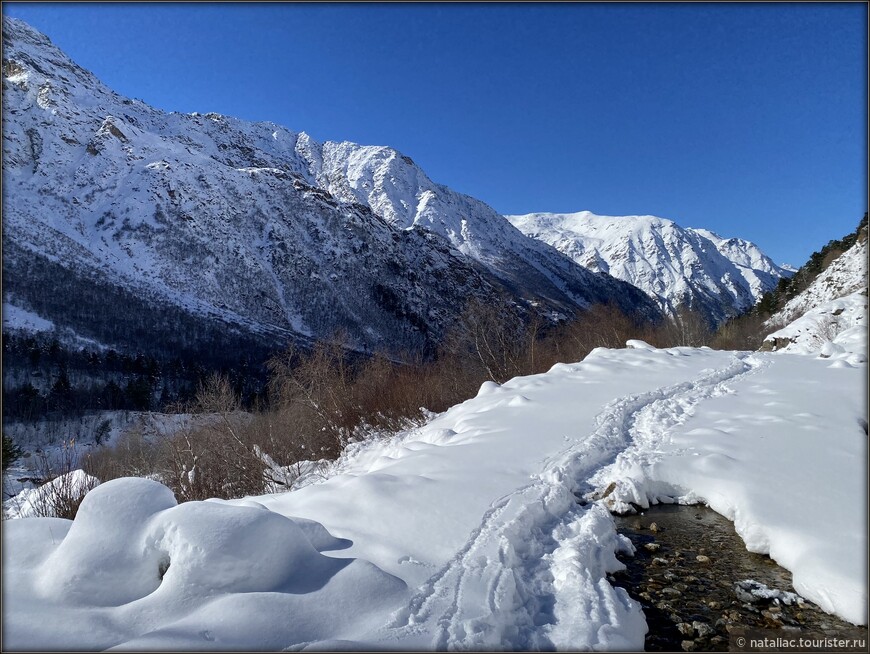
[(749, 120)]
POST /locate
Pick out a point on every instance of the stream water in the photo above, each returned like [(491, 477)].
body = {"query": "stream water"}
[(687, 575)]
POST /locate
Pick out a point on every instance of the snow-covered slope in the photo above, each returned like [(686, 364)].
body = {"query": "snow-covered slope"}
[(676, 266), (836, 328), (845, 275), (399, 191), (251, 222), (466, 533), (16, 318), (829, 317)]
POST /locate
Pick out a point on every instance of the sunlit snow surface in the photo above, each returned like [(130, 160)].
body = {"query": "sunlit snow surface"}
[(467, 532), (845, 275), (829, 317)]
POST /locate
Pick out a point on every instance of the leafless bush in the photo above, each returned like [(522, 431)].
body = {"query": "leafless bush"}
[(494, 342), (64, 487), (214, 456), (689, 327), (601, 325), (133, 455), (745, 332), (311, 391)]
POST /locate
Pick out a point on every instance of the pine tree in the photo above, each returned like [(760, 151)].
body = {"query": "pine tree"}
[(11, 452)]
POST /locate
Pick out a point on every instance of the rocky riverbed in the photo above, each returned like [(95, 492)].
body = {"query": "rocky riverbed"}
[(698, 584)]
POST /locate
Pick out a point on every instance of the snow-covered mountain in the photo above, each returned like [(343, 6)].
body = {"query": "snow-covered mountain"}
[(252, 224), (674, 265)]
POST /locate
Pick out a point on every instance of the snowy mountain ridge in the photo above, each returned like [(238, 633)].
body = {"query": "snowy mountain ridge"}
[(676, 266), (251, 223)]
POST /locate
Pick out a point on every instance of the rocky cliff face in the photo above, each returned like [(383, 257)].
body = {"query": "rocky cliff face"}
[(249, 224)]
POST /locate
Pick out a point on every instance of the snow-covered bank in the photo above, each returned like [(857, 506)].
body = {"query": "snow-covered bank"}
[(466, 532), (783, 453)]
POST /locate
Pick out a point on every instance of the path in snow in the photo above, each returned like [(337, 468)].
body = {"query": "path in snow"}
[(782, 454), (653, 423), (516, 579)]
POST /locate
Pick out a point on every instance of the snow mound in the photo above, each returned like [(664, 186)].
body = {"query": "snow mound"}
[(133, 563), (637, 344), (100, 561)]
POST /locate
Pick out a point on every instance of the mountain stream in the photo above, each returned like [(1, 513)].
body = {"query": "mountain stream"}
[(700, 588)]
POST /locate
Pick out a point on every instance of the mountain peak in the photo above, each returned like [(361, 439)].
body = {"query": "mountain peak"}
[(28, 50), (676, 266)]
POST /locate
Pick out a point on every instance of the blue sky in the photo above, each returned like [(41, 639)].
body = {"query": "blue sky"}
[(749, 120)]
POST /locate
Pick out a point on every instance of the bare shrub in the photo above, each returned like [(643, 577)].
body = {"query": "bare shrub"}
[(133, 455), (689, 327), (601, 325), (494, 342), (214, 456), (312, 392), (64, 487), (745, 332)]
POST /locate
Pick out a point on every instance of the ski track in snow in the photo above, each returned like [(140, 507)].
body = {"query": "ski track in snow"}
[(499, 587)]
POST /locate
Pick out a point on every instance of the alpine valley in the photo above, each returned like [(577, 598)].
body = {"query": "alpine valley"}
[(262, 393), (218, 240)]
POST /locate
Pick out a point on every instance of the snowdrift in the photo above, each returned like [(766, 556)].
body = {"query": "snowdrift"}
[(136, 569), (468, 532)]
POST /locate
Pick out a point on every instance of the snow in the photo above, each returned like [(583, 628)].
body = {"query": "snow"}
[(828, 319), (238, 220), (463, 533), (836, 329), (136, 570), (42, 500), (751, 591), (672, 264), (15, 317), (780, 450), (466, 532), (845, 275)]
